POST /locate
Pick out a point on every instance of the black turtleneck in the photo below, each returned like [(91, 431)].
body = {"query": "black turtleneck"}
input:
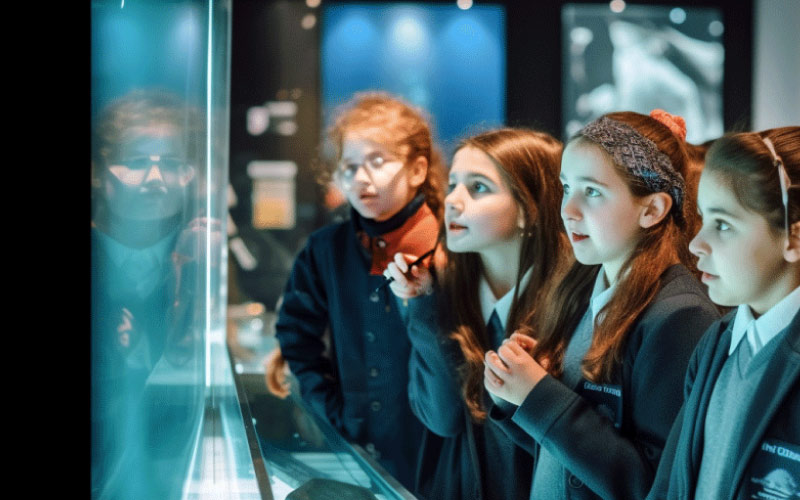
[(374, 228)]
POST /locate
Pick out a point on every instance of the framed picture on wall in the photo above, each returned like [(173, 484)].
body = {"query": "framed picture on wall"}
[(617, 56)]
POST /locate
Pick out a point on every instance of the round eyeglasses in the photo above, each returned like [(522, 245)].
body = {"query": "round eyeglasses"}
[(373, 163)]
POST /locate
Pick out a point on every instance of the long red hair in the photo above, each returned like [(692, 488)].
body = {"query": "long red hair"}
[(658, 247), (400, 127)]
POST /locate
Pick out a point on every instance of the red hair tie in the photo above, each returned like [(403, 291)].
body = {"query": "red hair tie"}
[(673, 122)]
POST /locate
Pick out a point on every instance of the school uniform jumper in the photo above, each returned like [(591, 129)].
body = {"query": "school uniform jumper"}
[(359, 382), (132, 290), (767, 446), (609, 437), (137, 327), (459, 459)]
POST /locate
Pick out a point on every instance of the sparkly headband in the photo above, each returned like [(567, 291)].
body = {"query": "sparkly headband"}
[(640, 156)]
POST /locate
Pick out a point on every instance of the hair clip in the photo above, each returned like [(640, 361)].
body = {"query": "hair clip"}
[(783, 177)]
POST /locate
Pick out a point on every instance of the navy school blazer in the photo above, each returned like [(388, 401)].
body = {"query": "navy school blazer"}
[(609, 437), (459, 458), (772, 450), (358, 382)]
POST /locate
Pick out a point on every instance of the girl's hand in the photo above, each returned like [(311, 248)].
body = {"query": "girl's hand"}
[(408, 283), (524, 341), (276, 371), (511, 373)]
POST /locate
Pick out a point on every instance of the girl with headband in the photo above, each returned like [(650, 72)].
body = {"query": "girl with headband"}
[(595, 384), (503, 241), (739, 435)]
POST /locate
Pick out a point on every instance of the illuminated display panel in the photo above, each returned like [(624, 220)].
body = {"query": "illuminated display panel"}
[(450, 62), (641, 57)]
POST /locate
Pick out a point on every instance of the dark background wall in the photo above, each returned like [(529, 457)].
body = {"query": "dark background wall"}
[(275, 58)]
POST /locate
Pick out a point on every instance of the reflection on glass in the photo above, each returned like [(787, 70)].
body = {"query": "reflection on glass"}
[(157, 246), (302, 452), (304, 456), (147, 359), (641, 58)]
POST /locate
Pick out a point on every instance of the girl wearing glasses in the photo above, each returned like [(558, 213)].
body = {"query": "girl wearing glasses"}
[(739, 436), (504, 242), (343, 337)]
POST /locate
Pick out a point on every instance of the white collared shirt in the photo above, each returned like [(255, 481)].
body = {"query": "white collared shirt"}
[(601, 294), (503, 305), (760, 331)]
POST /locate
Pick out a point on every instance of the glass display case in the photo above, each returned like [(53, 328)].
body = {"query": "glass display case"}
[(170, 418), (303, 455), (165, 422)]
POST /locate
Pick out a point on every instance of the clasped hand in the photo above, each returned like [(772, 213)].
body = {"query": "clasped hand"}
[(511, 373)]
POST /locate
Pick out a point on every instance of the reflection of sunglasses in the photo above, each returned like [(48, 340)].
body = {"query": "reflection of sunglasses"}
[(786, 183), (133, 171), (143, 162)]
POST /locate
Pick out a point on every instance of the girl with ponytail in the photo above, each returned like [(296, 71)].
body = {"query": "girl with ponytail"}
[(739, 434)]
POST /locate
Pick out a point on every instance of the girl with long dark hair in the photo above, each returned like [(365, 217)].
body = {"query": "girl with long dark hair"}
[(503, 241)]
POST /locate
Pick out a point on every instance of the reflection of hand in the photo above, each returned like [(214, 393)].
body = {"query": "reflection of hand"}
[(511, 373), (189, 258), (201, 234), (125, 329), (408, 283)]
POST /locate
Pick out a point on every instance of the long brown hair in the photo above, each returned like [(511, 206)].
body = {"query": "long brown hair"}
[(659, 247), (402, 128), (748, 165), (528, 163)]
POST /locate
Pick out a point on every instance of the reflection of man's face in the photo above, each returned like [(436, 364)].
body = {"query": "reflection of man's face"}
[(146, 179)]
